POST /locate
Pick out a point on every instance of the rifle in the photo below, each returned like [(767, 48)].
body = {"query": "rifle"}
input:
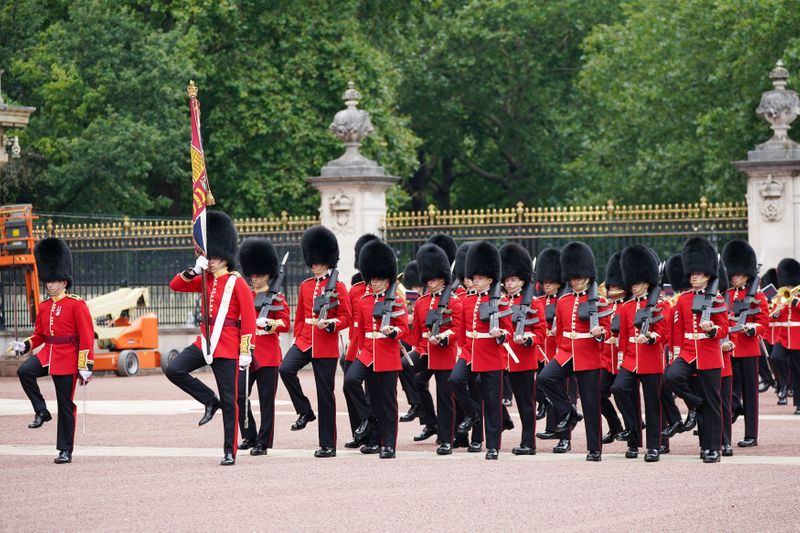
[(385, 310), (646, 317), (490, 311), (704, 303), (747, 307), (521, 312), (265, 301), (328, 299), (550, 309), (435, 318), (588, 310)]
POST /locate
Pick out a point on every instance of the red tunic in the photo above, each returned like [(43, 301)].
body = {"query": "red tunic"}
[(690, 341), (749, 346), (235, 339), (439, 357), (643, 358), (306, 333), (268, 342), (611, 351), (787, 327), (529, 355), (573, 337), (356, 292), (373, 346), (67, 318), (478, 348), (550, 344)]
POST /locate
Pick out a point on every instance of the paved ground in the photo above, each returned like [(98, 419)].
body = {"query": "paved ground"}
[(145, 465)]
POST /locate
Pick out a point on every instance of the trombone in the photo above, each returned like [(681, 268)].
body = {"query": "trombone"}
[(784, 297)]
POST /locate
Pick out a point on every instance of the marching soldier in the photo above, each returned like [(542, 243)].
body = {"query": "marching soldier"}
[(615, 295), (696, 343), (482, 342), (231, 319), (417, 394), (378, 359), (726, 373), (642, 352), (787, 314), (259, 262), (64, 328), (323, 310), (517, 277), (768, 372), (358, 409)]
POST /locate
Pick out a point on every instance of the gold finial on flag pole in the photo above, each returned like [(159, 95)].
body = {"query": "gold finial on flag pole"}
[(192, 89)]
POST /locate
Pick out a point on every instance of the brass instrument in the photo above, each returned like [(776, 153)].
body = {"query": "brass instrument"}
[(782, 298), (601, 290)]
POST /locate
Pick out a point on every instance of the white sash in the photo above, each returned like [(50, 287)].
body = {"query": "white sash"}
[(218, 323)]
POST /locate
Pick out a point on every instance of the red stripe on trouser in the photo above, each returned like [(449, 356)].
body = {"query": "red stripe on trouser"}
[(74, 408), (236, 409)]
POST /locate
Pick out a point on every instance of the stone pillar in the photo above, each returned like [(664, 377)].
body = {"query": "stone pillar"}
[(773, 177), (352, 188), (11, 116)]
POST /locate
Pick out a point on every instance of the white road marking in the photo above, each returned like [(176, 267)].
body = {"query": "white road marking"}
[(10, 407)]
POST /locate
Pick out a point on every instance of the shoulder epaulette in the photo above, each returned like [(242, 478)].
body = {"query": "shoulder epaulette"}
[(74, 296)]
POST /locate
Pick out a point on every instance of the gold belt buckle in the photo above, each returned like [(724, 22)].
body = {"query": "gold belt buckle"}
[(573, 335)]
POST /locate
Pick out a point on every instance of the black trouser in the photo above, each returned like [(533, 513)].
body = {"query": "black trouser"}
[(553, 379), (745, 388), (763, 366), (383, 392), (780, 365), (626, 391), (267, 379), (552, 420), (491, 386), (32, 369), (226, 372), (325, 380), (524, 387), (793, 359), (409, 384), (465, 387), (357, 402), (422, 377), (606, 407), (507, 388), (725, 391), (710, 414)]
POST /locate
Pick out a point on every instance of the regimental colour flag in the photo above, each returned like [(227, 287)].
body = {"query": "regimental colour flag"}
[(201, 192)]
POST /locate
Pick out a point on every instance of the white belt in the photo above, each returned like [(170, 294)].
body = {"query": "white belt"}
[(311, 320), (778, 324), (792, 324), (696, 336), (478, 335), (577, 335), (426, 334), (375, 335), (635, 340)]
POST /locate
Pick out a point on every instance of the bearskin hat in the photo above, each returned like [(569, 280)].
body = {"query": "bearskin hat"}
[(724, 284), (770, 277), (516, 261), (411, 275), (639, 265), (433, 263), (446, 243), (740, 258), (320, 247), (223, 240), (53, 260), (378, 261), (788, 273), (364, 239), (356, 279), (460, 268), (614, 272), (258, 256), (577, 261), (548, 266), (678, 280), (483, 259), (699, 255)]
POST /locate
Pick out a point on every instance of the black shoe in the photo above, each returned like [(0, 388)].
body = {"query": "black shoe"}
[(594, 455), (40, 419), (366, 427), (727, 451), (246, 444), (703, 454), (609, 437), (797, 410), (228, 460), (696, 432), (691, 420), (663, 449), (563, 446), (387, 453), (509, 424), (783, 392), (491, 453), (370, 449), (747, 442), (782, 401), (325, 452), (427, 432), (259, 449), (355, 443), (523, 450), (570, 421), (711, 456), (444, 449), (652, 456), (507, 402), (736, 414), (765, 385), (674, 429), (211, 408), (475, 447), (632, 453), (623, 435), (468, 423), (460, 441), (303, 420), (547, 435), (541, 409), (63, 457), (413, 412)]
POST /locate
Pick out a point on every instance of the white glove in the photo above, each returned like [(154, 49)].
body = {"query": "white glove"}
[(245, 359), (18, 347), (85, 375), (262, 321), (200, 265)]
